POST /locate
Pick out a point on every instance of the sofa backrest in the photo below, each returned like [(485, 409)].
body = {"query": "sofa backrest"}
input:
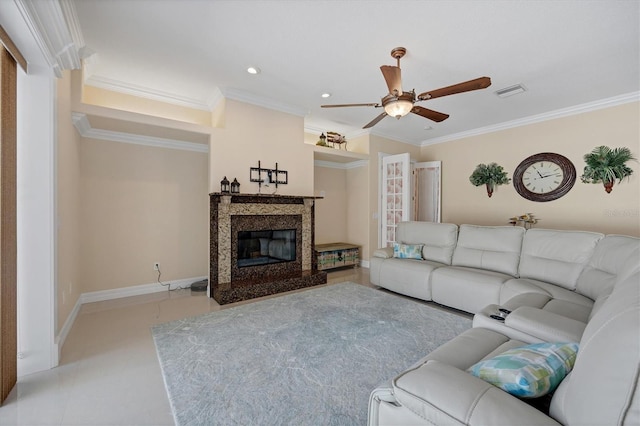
[(608, 260), (495, 248), (439, 239), (603, 388), (556, 257)]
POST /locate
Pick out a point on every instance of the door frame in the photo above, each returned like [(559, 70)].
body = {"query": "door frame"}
[(426, 165)]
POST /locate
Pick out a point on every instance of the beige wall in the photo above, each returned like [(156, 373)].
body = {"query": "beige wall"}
[(342, 215), (585, 207), (141, 205), (357, 217), (331, 211), (68, 205), (253, 134)]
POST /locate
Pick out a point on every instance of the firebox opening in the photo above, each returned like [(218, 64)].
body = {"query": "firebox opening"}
[(266, 247)]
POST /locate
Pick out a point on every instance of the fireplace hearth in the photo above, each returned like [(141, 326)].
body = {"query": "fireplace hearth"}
[(261, 245), (257, 248)]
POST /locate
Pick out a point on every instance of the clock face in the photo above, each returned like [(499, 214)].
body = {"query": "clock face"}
[(544, 177)]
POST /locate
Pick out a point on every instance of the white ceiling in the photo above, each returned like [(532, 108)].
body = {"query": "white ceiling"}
[(566, 53)]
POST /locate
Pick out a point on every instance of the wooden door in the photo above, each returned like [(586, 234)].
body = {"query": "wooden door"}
[(8, 283)]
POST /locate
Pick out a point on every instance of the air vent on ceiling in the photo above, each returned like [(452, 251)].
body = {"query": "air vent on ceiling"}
[(510, 91)]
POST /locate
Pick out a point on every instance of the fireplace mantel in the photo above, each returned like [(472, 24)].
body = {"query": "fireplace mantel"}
[(232, 213)]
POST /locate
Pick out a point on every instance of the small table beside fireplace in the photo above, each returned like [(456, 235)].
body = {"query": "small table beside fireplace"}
[(336, 255)]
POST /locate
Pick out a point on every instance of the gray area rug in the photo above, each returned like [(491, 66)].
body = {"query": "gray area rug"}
[(308, 358)]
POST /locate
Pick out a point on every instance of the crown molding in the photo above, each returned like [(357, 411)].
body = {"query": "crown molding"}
[(81, 123), (73, 24), (209, 104), (358, 133), (311, 129), (55, 28), (214, 99), (341, 166), (356, 164), (145, 92), (249, 98), (395, 138), (551, 115)]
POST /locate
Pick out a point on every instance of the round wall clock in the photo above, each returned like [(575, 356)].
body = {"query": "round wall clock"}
[(544, 177)]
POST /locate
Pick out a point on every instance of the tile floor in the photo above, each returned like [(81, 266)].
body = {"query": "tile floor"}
[(109, 372)]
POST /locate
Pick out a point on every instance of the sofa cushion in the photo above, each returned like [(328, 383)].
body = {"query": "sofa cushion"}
[(603, 388), (439, 239), (439, 394), (530, 371), (494, 248), (467, 289), (407, 251), (552, 298), (556, 257), (470, 347), (608, 260), (405, 276)]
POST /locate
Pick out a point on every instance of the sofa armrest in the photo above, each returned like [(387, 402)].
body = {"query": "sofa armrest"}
[(384, 252), (442, 394), (545, 325)]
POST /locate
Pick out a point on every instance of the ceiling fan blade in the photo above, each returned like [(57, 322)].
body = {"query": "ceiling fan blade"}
[(348, 105), (375, 120), (467, 86), (429, 113), (392, 77)]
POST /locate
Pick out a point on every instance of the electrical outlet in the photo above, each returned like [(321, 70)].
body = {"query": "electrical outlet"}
[(156, 266)]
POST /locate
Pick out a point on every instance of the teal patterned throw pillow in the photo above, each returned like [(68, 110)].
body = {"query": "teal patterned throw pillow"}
[(529, 371), (407, 251)]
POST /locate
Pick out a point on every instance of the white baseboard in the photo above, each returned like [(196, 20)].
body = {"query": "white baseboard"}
[(66, 328), (116, 293)]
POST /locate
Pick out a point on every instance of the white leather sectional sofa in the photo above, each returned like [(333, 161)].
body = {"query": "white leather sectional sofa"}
[(556, 286)]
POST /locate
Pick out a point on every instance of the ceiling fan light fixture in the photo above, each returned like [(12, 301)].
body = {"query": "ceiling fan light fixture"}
[(398, 108)]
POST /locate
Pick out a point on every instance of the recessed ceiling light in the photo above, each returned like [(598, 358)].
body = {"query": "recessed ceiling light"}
[(253, 70), (326, 95), (510, 91), (428, 128)]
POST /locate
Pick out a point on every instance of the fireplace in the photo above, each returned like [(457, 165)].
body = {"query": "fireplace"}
[(261, 245), (257, 248)]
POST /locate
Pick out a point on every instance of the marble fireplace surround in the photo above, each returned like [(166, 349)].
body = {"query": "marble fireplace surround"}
[(243, 212)]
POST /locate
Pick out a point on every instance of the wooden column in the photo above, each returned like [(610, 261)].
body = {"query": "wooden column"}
[(8, 287)]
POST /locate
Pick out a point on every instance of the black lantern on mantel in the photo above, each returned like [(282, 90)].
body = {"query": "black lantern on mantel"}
[(224, 185), (235, 186)]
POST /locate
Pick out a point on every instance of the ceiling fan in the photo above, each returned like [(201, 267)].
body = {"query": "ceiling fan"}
[(399, 103)]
